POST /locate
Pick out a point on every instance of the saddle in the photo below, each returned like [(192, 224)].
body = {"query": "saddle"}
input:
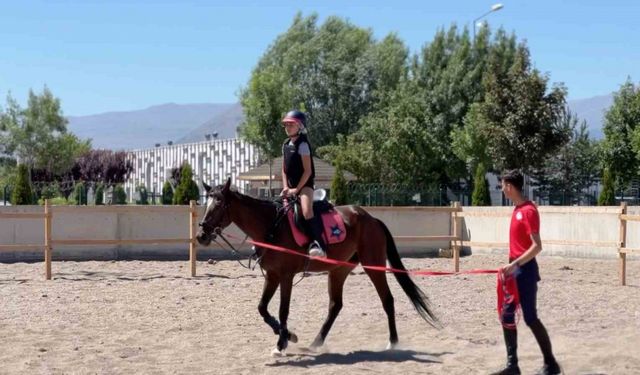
[(334, 230)]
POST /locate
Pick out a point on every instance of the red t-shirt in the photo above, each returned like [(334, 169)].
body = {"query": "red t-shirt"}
[(525, 221)]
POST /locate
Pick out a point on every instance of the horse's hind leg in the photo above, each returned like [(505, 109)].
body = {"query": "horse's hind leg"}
[(379, 280), (336, 283), (271, 283)]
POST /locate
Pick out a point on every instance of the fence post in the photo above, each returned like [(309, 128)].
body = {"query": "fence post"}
[(192, 237), (622, 244), (47, 240), (455, 248)]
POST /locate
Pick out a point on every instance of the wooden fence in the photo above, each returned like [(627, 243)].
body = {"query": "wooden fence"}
[(455, 237), (49, 242)]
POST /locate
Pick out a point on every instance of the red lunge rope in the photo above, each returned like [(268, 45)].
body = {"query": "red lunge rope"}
[(508, 300), (375, 268)]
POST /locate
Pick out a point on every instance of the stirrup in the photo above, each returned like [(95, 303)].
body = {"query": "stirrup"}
[(315, 250)]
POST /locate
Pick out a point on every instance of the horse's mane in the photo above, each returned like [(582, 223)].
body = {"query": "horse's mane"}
[(255, 201), (248, 200)]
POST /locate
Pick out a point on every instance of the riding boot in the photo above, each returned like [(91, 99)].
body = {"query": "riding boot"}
[(551, 366), (316, 248), (511, 342)]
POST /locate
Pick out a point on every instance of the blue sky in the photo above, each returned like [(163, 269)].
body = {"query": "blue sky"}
[(100, 56)]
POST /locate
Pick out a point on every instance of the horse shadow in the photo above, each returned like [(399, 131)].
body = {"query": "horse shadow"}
[(396, 356)]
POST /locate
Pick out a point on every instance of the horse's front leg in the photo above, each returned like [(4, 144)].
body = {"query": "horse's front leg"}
[(271, 283), (286, 286)]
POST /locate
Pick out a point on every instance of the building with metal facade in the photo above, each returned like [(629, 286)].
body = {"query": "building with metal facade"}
[(212, 161)]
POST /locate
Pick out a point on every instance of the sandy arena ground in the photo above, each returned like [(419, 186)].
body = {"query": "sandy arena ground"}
[(149, 317)]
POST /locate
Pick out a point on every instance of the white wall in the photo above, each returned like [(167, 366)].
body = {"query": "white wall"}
[(212, 161)]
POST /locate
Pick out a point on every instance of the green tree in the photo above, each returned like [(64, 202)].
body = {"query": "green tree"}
[(187, 189), (336, 72), (119, 195), (480, 196), (99, 194), (31, 133), (22, 193), (339, 192), (60, 154), (167, 193), (408, 138), (622, 135), (519, 115), (568, 172), (144, 195), (607, 195), (50, 191), (79, 194)]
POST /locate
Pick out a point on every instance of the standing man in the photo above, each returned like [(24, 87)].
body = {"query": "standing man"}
[(524, 245)]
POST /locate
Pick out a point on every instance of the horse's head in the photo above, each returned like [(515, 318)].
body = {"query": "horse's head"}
[(216, 213)]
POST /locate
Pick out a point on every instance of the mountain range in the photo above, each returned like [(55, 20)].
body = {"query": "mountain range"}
[(185, 123), (158, 124), (592, 110)]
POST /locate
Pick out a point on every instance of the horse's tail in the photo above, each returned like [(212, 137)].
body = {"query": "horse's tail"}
[(418, 297)]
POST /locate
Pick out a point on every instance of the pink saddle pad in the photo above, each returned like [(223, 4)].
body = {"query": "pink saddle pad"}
[(334, 229)]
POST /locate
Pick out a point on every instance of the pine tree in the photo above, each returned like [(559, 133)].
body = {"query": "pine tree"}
[(22, 193), (339, 193), (187, 190), (480, 196), (144, 195), (119, 196), (99, 194), (607, 196), (167, 193), (78, 196)]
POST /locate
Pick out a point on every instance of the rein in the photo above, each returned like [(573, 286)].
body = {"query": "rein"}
[(234, 251), (217, 232)]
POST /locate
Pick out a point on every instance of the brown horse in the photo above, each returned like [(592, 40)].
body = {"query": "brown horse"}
[(368, 241)]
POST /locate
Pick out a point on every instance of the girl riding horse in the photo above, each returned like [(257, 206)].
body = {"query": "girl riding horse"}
[(368, 241)]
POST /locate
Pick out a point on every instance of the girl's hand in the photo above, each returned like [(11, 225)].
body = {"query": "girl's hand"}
[(291, 192), (284, 192)]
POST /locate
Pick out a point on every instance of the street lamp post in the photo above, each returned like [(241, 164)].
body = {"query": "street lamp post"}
[(494, 8)]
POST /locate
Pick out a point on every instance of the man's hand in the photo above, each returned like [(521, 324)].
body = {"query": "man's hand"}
[(510, 268)]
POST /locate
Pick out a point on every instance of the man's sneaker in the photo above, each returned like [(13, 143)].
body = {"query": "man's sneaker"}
[(550, 369), (316, 251), (509, 370)]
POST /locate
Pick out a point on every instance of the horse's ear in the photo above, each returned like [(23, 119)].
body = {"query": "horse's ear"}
[(207, 188), (225, 189)]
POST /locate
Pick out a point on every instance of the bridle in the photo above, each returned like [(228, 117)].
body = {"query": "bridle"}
[(211, 225), (216, 231)]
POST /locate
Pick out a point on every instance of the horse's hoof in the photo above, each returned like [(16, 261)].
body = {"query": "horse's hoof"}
[(293, 337), (277, 352), (392, 345)]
